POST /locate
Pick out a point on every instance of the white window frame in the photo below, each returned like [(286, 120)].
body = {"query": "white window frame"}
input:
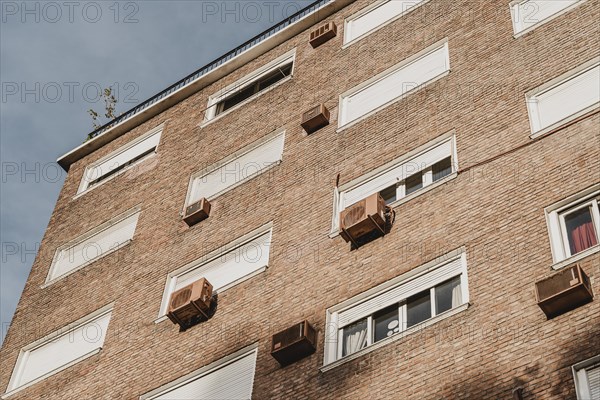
[(517, 18), (91, 233), (206, 370), (428, 184), (333, 331), (84, 186), (531, 99), (204, 261), (67, 330), (211, 108), (348, 21), (559, 245), (383, 75), (216, 166), (582, 388)]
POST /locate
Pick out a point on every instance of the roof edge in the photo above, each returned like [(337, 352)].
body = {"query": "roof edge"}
[(200, 83)]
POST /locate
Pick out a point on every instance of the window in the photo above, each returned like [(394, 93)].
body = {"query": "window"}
[(97, 243), (121, 160), (60, 349), (423, 295), (376, 16), (565, 98), (250, 86), (587, 378), (391, 85), (402, 178), (231, 377), (224, 267), (574, 225), (236, 169), (529, 14)]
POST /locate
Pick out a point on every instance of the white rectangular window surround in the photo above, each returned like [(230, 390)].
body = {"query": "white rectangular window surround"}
[(231, 377), (417, 162), (395, 294), (59, 350), (393, 84), (120, 160), (564, 98), (376, 16), (225, 267), (212, 113), (243, 165), (586, 375), (574, 226), (89, 247), (529, 14)]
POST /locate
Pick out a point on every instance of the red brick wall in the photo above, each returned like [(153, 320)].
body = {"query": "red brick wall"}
[(495, 210)]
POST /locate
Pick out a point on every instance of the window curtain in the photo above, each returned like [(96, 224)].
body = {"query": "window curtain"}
[(355, 338), (582, 237), (456, 294)]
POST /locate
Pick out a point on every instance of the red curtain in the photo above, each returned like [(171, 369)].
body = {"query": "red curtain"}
[(582, 237)]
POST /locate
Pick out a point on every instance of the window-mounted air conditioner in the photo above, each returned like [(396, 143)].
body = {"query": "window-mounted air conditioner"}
[(315, 118), (294, 343), (197, 212), (322, 34), (563, 291), (362, 218), (190, 303)]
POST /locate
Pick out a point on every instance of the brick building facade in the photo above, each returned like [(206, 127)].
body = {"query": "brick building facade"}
[(493, 160)]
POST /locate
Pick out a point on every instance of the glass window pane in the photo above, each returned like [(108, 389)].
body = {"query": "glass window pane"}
[(354, 337), (418, 308), (580, 230), (385, 323), (441, 169), (389, 194), (448, 295), (414, 183)]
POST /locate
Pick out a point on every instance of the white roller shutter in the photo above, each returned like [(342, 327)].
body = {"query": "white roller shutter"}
[(60, 350), (593, 378), (231, 173), (528, 13), (376, 16), (231, 266), (397, 173), (229, 381), (401, 292), (394, 84), (565, 99), (89, 248)]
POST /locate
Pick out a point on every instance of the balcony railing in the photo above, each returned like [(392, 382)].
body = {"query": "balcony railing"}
[(211, 66)]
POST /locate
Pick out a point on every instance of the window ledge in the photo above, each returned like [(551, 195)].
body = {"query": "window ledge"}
[(393, 338), (579, 256), (545, 20), (587, 112), (411, 196), (205, 123)]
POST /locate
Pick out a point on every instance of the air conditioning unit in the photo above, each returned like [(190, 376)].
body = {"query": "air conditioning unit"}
[(197, 212), (563, 291), (294, 343), (366, 216), (190, 302), (322, 34), (315, 118)]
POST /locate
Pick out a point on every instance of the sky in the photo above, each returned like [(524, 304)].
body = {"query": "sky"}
[(56, 56)]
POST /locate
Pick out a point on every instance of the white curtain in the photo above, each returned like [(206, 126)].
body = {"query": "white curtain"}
[(456, 294), (355, 337)]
